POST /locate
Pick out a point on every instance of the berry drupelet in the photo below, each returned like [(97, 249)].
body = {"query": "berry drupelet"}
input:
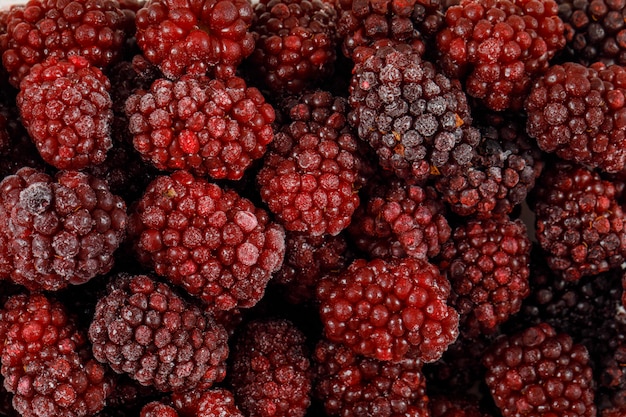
[(60, 230), (158, 409), (579, 113), (503, 170), (595, 30), (66, 107), (488, 264), (350, 385), (540, 372), (500, 45), (414, 117), (388, 310), (271, 372), (206, 126), (193, 37), (579, 222), (50, 28), (47, 361), (311, 174), (214, 243), (399, 220), (144, 329), (295, 43), (217, 402)]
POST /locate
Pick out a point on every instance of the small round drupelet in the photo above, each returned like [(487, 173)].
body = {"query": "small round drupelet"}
[(214, 243), (142, 328), (271, 372), (66, 107), (158, 409), (47, 361), (216, 402), (388, 309), (540, 372)]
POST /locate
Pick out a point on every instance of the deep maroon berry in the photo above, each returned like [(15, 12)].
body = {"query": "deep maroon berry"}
[(40, 29), (271, 373), (217, 402), (195, 36), (142, 328), (388, 310), (206, 126), (539, 371), (66, 107), (158, 409), (214, 243), (47, 362)]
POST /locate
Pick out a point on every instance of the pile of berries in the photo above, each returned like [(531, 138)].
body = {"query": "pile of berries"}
[(294, 208)]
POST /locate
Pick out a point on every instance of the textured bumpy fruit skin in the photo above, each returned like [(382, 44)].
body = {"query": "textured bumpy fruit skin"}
[(389, 310), (60, 231), (310, 176), (195, 36), (350, 385), (66, 107), (206, 126), (43, 28), (579, 222), (142, 328), (271, 371), (216, 402), (413, 116), (595, 30), (540, 371), (158, 409), (487, 262), (399, 220), (214, 243), (500, 45), (295, 43), (47, 362), (579, 113)]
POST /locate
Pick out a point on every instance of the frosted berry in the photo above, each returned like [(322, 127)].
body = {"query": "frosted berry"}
[(217, 402), (387, 310), (158, 409)]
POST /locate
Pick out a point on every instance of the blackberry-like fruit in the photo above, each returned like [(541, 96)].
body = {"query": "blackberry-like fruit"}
[(271, 371), (540, 371), (217, 402), (363, 23), (350, 385), (416, 119), (595, 30), (487, 262), (307, 260), (206, 126), (47, 362), (51, 28), (310, 177), (192, 37), (504, 169), (295, 43), (214, 243), (400, 220), (579, 113), (579, 222), (500, 45), (60, 230), (387, 310), (142, 328), (158, 409), (66, 107)]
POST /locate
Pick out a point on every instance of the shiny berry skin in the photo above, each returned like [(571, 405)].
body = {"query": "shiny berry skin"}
[(579, 221), (144, 329), (93, 29), (158, 409), (47, 361), (579, 113), (212, 242), (351, 385), (271, 371), (216, 402), (388, 310), (193, 37), (62, 230), (540, 372), (66, 107), (206, 126)]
